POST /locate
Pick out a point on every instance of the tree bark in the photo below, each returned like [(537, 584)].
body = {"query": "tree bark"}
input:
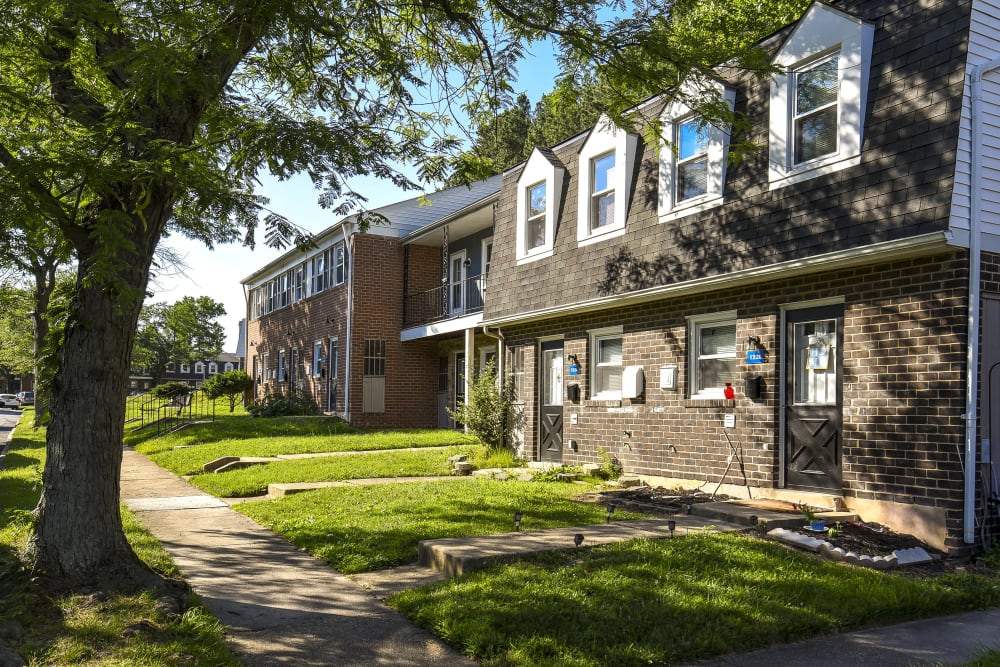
[(79, 541)]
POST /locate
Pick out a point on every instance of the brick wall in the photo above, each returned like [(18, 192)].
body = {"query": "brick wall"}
[(903, 386), (411, 368)]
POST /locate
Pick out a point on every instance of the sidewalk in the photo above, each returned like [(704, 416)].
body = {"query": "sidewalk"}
[(282, 605)]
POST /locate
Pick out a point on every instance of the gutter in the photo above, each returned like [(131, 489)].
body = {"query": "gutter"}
[(975, 260), (501, 346)]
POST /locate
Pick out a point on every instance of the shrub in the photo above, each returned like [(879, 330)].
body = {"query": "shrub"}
[(277, 404), (487, 408), (231, 384), (170, 390), (611, 467)]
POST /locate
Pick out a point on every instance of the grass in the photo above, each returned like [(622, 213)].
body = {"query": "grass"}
[(247, 436), (253, 481), (358, 529), (87, 630), (665, 601)]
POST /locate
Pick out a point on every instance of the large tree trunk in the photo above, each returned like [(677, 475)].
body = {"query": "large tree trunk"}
[(79, 541)]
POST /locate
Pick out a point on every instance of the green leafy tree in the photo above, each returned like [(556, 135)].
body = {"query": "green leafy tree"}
[(124, 121), (181, 333), (488, 408), (231, 384)]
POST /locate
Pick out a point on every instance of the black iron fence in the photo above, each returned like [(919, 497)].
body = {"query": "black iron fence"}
[(170, 412)]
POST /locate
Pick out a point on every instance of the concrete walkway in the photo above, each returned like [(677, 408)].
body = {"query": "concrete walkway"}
[(281, 605)]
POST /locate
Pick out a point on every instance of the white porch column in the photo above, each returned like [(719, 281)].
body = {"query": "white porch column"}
[(470, 350)]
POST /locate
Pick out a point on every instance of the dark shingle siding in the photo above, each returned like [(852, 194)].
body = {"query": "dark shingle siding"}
[(902, 187)]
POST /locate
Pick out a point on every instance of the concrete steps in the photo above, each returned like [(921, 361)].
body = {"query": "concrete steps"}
[(456, 556)]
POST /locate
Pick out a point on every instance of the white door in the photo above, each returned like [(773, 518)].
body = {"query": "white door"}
[(456, 283)]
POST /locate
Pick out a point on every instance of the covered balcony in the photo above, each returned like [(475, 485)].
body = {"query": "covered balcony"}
[(453, 300)]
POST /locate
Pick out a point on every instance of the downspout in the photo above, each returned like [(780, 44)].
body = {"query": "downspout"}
[(501, 348), (975, 258), (350, 323)]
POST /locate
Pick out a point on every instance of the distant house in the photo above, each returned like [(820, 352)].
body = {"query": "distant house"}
[(193, 374), (328, 323)]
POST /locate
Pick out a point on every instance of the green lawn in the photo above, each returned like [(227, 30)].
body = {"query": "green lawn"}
[(86, 630), (356, 529), (247, 436), (253, 481), (683, 599)]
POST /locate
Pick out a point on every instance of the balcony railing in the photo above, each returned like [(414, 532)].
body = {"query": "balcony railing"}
[(445, 302)]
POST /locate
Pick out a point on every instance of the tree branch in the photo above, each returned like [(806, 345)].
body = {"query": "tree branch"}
[(74, 102)]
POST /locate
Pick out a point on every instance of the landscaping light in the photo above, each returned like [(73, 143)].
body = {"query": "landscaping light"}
[(690, 501), (753, 520), (578, 539), (517, 520), (671, 526), (611, 508)]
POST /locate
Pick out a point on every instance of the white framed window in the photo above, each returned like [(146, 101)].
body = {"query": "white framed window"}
[(819, 96), (487, 255), (229, 366), (538, 189), (607, 159), (693, 165), (317, 361), (712, 354), (281, 365), (213, 368), (602, 191), (339, 263), (456, 282), (606, 363), (319, 272), (185, 368)]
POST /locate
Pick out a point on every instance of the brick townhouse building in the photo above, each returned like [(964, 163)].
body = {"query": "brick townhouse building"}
[(327, 323), (795, 325)]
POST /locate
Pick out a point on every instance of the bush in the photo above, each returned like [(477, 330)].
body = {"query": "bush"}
[(170, 389), (277, 404), (231, 384), (487, 408)]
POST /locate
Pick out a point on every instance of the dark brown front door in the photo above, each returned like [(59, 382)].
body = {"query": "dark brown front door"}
[(814, 398), (550, 399)]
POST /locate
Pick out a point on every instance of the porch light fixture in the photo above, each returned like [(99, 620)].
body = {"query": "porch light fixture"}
[(578, 539), (571, 358), (517, 520), (467, 263), (671, 526)]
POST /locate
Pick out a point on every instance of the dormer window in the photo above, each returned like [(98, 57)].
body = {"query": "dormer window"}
[(692, 160), (602, 198), (607, 159), (538, 190), (819, 96), (536, 199), (693, 163), (815, 122)]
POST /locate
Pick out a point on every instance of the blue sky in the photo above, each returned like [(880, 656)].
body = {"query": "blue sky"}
[(217, 273)]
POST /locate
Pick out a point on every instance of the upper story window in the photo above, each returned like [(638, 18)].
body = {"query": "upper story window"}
[(319, 278), (693, 166), (535, 236), (712, 347), (819, 96), (199, 368), (606, 363), (299, 283), (538, 191), (607, 158), (213, 368), (602, 191), (339, 263), (815, 121), (229, 366)]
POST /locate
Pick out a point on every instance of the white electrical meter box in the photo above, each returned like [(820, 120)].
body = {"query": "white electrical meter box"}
[(633, 382), (668, 377)]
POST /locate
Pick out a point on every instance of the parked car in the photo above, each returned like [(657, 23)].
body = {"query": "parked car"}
[(25, 398), (9, 401)]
